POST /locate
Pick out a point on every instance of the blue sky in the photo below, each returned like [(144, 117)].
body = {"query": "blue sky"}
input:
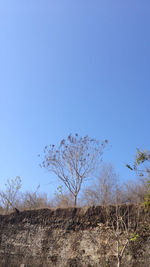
[(72, 66)]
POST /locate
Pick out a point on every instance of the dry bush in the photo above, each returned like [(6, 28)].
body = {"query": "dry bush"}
[(34, 200), (9, 198), (63, 198)]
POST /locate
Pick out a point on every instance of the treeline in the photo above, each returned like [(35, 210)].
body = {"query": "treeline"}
[(74, 162), (104, 191)]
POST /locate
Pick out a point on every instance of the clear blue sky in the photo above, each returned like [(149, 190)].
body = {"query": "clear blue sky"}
[(72, 66)]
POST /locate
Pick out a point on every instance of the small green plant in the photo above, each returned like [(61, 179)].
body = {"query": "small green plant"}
[(146, 202), (59, 191), (142, 167), (134, 237), (121, 248), (146, 227)]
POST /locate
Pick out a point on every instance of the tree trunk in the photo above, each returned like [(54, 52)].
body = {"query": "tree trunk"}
[(118, 256), (75, 201), (118, 263)]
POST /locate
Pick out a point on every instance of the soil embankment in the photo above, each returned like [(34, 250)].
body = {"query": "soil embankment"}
[(73, 237)]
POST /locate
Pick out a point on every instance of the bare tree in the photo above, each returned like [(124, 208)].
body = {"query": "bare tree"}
[(104, 190), (119, 226), (73, 161), (122, 233), (134, 191)]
